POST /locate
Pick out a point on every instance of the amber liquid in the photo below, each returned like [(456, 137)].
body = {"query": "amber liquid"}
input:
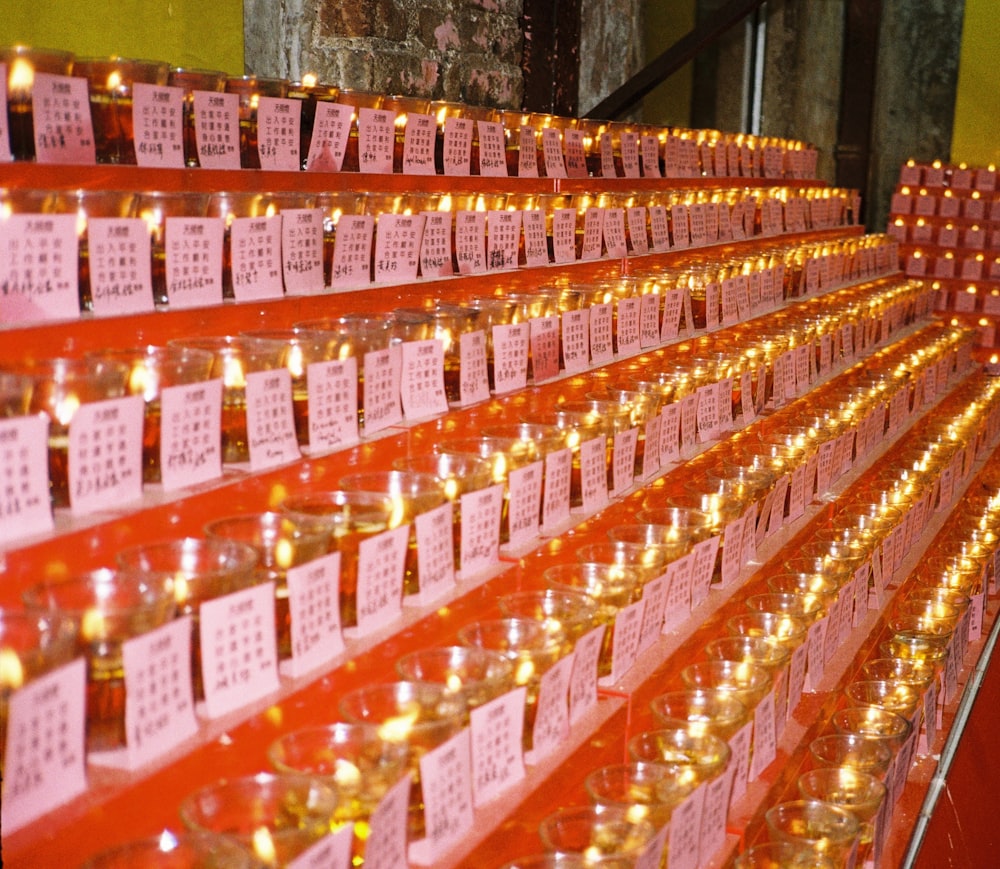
[(59, 465), (300, 413), (114, 136), (235, 441), (105, 697)]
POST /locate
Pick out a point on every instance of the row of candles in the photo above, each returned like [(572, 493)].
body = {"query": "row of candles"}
[(189, 571), (118, 252), (60, 108), (175, 415), (960, 177)]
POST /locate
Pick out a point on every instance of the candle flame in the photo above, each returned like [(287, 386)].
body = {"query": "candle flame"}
[(11, 670), (397, 728), (263, 845), (92, 625)]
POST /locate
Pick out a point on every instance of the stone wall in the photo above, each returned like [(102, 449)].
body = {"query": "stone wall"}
[(468, 50)]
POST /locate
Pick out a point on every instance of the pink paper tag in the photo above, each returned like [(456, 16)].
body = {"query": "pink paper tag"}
[(270, 421), (479, 546), (105, 454), (649, 320), (544, 348), (659, 228), (397, 247), (120, 267), (630, 154), (64, 132), (217, 129), (708, 413), (332, 851), (24, 496), (381, 567), (685, 831), (714, 815), (435, 245), (352, 251), (613, 229), (376, 139), (239, 651), (594, 473), (527, 153), (446, 782), (302, 250), (278, 122), (418, 144), (583, 679), (623, 457), (629, 338), (564, 235), (497, 729), (651, 446), (422, 380), (650, 154), (576, 340), (510, 357), (670, 434), (333, 404), (492, 150), (606, 148), (525, 502), (158, 125), (764, 736), (638, 232), (556, 492), (38, 267), (740, 744), (654, 594), (536, 245), (503, 235), (331, 131), (552, 153), (314, 610), (45, 762), (576, 157), (381, 399), (552, 711), (474, 384), (457, 152), (385, 846), (732, 550), (593, 234), (678, 606), (435, 533), (190, 434), (680, 227), (470, 242), (601, 334), (194, 261)]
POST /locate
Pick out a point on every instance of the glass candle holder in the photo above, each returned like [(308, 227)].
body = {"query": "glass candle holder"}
[(150, 371), (107, 608), (909, 670), (15, 394), (698, 756), (820, 826), (547, 861), (22, 63), (250, 89), (346, 518), (601, 836), (187, 850), (757, 650), (274, 817), (874, 722), (280, 543), (700, 710), (418, 716), (781, 855), (806, 607), (474, 675), (860, 793), (931, 650), (747, 681), (647, 564), (891, 694), (778, 628), (191, 80), (154, 208), (200, 570), (853, 751), (565, 613), (310, 93), (31, 644), (110, 81), (60, 386), (644, 791)]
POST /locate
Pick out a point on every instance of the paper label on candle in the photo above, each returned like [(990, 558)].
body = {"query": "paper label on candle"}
[(536, 246), (732, 550), (593, 233), (217, 129), (418, 144), (479, 546), (685, 831), (24, 479), (38, 267), (714, 814), (670, 434), (527, 153), (576, 158), (385, 847), (699, 230), (689, 421), (583, 679), (679, 595), (556, 490), (239, 650), (504, 235), (510, 357), (637, 219), (105, 454), (314, 611), (278, 122), (649, 320), (651, 447), (654, 594), (707, 413), (352, 251), (929, 735), (457, 152), (673, 307), (435, 532), (776, 519), (627, 634), (332, 851), (750, 533), (446, 780), (474, 383), (544, 347), (606, 150), (623, 460), (422, 382), (194, 261), (190, 434), (659, 228), (797, 671), (63, 129), (470, 242), (629, 145), (552, 153), (705, 554), (381, 566), (397, 247), (613, 229), (492, 150), (270, 421), (628, 326), (594, 473), (649, 153), (331, 131), (382, 407), (730, 310), (680, 226), (601, 325), (740, 744), (564, 235), (764, 736), (576, 340), (496, 730), (120, 266), (333, 404), (376, 139), (256, 260), (45, 760), (302, 250), (552, 714), (525, 502), (159, 703)]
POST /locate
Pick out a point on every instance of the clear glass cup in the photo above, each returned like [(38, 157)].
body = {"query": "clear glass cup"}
[(200, 570), (275, 817), (806, 607), (250, 88), (604, 837), (547, 861), (646, 791), (701, 756), (191, 80), (187, 850), (15, 394), (781, 855), (822, 827), (859, 792), (747, 681), (853, 750), (891, 694), (108, 608), (154, 209), (873, 722), (783, 630), (475, 675), (109, 81), (909, 670), (23, 62), (566, 613), (700, 710)]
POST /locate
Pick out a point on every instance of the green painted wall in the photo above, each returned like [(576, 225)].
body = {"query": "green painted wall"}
[(193, 33), (666, 21), (976, 133)]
